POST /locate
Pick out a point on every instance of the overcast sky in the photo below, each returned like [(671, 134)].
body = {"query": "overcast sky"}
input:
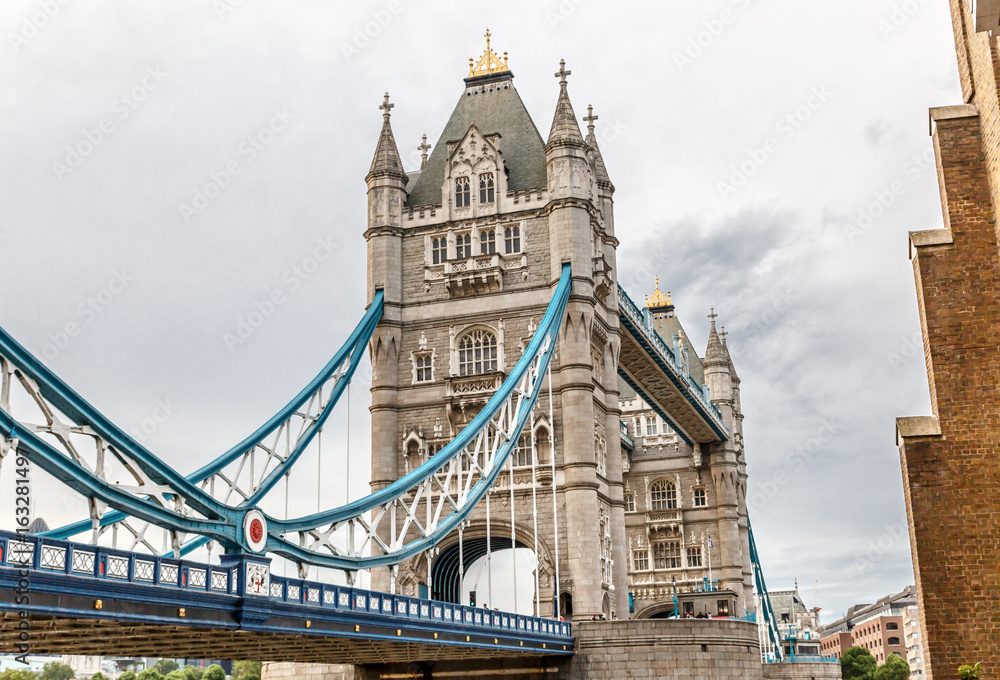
[(748, 141)]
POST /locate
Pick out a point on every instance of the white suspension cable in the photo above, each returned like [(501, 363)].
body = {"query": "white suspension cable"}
[(319, 469), (489, 553), (513, 532), (534, 511), (555, 504), (461, 565)]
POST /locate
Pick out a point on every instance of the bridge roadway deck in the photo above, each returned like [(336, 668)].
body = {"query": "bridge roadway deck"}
[(89, 600), (650, 367)]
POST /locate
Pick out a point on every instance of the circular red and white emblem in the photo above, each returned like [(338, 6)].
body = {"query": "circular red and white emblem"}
[(255, 530)]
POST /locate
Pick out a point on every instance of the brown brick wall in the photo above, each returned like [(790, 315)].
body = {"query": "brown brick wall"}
[(950, 479)]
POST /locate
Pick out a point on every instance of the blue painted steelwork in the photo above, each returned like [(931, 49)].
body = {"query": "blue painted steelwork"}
[(68, 569), (353, 350), (627, 442), (636, 323), (514, 400), (770, 621)]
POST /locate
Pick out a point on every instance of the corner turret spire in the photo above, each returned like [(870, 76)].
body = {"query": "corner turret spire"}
[(716, 353), (601, 171), (565, 129), (387, 162)]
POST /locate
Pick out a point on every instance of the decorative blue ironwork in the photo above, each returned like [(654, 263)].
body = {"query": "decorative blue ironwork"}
[(767, 620)]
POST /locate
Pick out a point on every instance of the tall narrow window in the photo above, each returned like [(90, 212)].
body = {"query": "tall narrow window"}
[(630, 502), (651, 425), (439, 249), (463, 195), (463, 246), (694, 557), (487, 242), (424, 368), (477, 353), (512, 240), (700, 500), (486, 187), (522, 452), (640, 560), (662, 495)]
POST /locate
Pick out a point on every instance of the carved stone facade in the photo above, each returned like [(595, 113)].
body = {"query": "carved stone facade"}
[(468, 251)]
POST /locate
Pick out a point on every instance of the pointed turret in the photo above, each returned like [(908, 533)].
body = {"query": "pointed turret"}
[(387, 162), (601, 171), (717, 366), (565, 129)]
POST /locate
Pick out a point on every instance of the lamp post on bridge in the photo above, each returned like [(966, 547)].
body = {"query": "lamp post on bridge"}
[(673, 580)]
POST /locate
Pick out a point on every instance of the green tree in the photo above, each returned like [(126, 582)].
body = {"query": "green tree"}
[(12, 674), (166, 666), (894, 668), (98, 676), (214, 672), (968, 672), (246, 670), (149, 674), (56, 671), (195, 672), (127, 675), (177, 675), (857, 664)]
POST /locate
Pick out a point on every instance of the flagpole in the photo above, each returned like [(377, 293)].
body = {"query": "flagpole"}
[(710, 586)]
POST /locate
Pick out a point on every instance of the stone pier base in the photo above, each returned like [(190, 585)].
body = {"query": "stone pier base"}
[(605, 650), (802, 671)]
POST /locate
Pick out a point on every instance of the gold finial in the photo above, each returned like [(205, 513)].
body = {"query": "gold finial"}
[(489, 63), (658, 299)]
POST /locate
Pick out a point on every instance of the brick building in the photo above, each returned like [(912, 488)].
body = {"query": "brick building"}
[(914, 641), (948, 459), (876, 627)]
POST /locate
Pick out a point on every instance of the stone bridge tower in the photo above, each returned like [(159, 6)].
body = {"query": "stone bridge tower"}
[(468, 249)]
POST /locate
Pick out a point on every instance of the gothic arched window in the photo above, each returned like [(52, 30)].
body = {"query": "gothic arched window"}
[(463, 246), (486, 187), (487, 241), (662, 495), (439, 249), (477, 353), (512, 240), (463, 195)]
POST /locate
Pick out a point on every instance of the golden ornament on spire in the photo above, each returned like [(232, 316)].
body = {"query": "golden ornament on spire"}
[(658, 299), (489, 63)]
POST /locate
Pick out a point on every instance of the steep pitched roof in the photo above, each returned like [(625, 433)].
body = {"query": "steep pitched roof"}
[(386, 161), (492, 103)]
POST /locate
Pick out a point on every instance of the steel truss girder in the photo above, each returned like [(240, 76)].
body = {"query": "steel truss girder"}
[(160, 496)]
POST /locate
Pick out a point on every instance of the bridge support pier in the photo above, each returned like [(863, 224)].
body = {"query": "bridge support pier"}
[(310, 671)]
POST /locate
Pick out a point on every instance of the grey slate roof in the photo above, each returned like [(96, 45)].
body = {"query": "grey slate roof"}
[(500, 110)]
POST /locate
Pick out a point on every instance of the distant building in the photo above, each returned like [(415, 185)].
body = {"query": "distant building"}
[(876, 627), (914, 641), (799, 625)]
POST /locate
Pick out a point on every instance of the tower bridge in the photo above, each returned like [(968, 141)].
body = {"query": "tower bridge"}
[(519, 398)]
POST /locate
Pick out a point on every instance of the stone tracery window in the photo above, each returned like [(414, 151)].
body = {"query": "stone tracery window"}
[(630, 502), (439, 249), (694, 557), (512, 240), (667, 555), (423, 367), (662, 495), (522, 452), (463, 195), (463, 246), (486, 188), (700, 498), (477, 353), (487, 241)]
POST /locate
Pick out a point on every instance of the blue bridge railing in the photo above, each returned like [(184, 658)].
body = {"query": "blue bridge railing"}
[(95, 562)]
